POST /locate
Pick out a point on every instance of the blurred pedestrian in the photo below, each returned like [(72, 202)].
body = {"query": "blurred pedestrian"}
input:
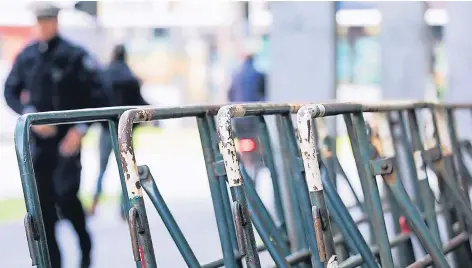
[(248, 85), (126, 91), (52, 74)]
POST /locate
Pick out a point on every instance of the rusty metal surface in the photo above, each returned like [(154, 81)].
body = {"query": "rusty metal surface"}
[(319, 233), (307, 143), (128, 160)]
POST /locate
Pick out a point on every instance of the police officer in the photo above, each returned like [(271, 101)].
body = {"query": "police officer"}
[(57, 75)]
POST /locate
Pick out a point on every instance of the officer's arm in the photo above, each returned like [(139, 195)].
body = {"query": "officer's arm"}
[(14, 84)]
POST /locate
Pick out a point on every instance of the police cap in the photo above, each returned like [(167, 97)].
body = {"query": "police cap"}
[(45, 10)]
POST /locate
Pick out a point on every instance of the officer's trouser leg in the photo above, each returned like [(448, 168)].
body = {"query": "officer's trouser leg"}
[(73, 211), (43, 172), (67, 184)]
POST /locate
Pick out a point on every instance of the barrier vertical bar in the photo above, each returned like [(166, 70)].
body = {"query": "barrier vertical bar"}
[(301, 192), (216, 196), (361, 150), (138, 222), (269, 161), (235, 181)]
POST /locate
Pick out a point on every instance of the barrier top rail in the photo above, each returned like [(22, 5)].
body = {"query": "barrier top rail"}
[(72, 116), (156, 113), (390, 105), (130, 169), (102, 114)]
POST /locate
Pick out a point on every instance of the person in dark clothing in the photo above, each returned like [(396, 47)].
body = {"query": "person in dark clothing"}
[(248, 85), (126, 91), (52, 74)]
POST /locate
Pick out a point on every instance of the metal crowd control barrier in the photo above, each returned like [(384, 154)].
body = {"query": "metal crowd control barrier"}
[(369, 167), (236, 233), (234, 220), (324, 228), (34, 225)]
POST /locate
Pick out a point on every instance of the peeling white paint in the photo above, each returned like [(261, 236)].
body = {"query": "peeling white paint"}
[(132, 169), (227, 145), (333, 262), (419, 164), (428, 130), (307, 145)]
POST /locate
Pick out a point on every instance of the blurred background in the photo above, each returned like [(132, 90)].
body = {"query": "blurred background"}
[(185, 52)]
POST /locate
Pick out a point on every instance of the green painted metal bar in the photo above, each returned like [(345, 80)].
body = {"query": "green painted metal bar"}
[(356, 260), (456, 152), (451, 245), (439, 158), (216, 196), (326, 145), (141, 240), (348, 227), (426, 193), (150, 187), (301, 192), (341, 172), (33, 221), (294, 227), (246, 239), (39, 251), (222, 182), (307, 143), (360, 147), (413, 216), (382, 143), (266, 229), (445, 166), (270, 162), (113, 128), (465, 149), (260, 211), (397, 123)]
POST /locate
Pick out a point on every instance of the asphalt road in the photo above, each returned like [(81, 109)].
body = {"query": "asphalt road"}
[(112, 243)]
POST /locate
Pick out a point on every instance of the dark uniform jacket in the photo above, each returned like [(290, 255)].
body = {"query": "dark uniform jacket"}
[(126, 88), (58, 76), (248, 84)]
